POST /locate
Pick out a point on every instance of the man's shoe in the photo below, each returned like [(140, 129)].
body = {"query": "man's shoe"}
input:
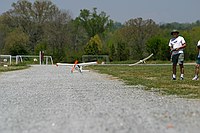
[(181, 78), (195, 78), (173, 78)]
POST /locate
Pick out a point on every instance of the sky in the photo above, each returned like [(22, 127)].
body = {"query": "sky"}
[(161, 11)]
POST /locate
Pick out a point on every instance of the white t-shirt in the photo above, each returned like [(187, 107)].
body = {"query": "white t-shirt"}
[(177, 43), (198, 44)]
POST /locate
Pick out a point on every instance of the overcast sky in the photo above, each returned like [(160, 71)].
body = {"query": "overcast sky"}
[(161, 11)]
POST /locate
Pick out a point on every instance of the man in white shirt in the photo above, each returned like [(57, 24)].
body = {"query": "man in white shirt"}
[(196, 76), (177, 45)]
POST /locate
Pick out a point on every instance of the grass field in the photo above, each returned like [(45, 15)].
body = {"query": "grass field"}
[(156, 78), (12, 68)]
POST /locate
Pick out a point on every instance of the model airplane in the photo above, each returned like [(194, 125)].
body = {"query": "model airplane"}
[(77, 66), (142, 61)]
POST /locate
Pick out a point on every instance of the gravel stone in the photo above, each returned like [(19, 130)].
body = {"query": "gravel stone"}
[(49, 99)]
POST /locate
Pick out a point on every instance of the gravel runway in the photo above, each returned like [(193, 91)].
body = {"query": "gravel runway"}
[(49, 99)]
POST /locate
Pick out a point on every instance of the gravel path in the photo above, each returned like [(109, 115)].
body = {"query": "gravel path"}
[(48, 99)]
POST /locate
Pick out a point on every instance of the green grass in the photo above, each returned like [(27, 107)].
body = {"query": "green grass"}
[(156, 78), (12, 68)]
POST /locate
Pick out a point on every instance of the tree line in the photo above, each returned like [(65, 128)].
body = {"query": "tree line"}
[(28, 28)]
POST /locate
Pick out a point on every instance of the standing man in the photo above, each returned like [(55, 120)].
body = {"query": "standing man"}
[(196, 76), (177, 45)]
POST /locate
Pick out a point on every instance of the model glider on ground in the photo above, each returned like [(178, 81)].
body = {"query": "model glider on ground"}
[(142, 61), (77, 66)]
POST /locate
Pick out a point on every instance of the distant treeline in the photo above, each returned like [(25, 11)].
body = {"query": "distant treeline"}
[(31, 27)]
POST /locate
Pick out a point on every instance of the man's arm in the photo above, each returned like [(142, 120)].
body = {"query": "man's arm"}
[(183, 46)]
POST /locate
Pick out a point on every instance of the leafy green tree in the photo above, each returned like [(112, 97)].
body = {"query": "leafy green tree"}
[(94, 46), (112, 52), (176, 25), (191, 38), (57, 35), (122, 52), (42, 46), (3, 30), (77, 39), (16, 42), (93, 22), (43, 22), (119, 47), (136, 33), (159, 47), (45, 27)]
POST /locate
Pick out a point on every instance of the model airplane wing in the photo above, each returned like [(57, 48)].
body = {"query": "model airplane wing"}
[(87, 64), (64, 64), (80, 64)]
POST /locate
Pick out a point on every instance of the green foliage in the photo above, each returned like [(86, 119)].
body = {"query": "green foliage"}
[(16, 42), (159, 47), (176, 25), (40, 25), (192, 37), (93, 22), (180, 26), (122, 51), (94, 46), (71, 56), (43, 23), (41, 46), (112, 52), (136, 32)]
